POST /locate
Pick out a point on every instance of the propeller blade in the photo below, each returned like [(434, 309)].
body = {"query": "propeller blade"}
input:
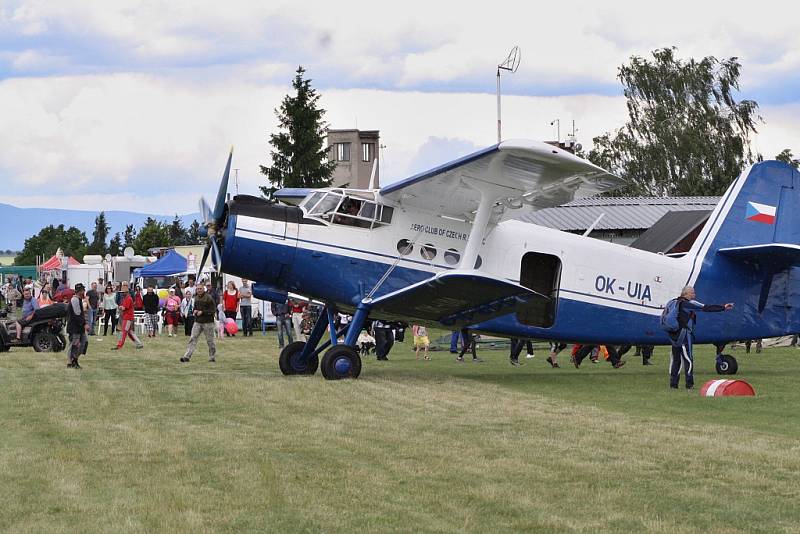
[(216, 258), (203, 261), (205, 211), (219, 206)]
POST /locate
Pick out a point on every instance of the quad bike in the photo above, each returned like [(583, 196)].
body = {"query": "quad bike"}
[(45, 332)]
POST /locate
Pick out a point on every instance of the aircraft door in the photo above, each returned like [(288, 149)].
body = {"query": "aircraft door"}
[(541, 273)]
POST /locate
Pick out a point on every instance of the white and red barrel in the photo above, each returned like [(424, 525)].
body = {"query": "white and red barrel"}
[(727, 388)]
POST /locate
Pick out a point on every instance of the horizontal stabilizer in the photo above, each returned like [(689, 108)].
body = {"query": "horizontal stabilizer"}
[(774, 255), (455, 299)]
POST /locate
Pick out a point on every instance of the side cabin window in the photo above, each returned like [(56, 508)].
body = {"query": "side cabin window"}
[(354, 209), (541, 273)]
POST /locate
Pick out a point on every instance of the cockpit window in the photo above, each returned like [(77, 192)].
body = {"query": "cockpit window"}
[(326, 205), (350, 208), (312, 200)]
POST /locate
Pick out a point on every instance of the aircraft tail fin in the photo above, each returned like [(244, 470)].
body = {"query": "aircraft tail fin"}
[(749, 251), (761, 207)]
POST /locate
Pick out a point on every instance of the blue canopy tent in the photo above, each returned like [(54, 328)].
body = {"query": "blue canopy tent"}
[(169, 264)]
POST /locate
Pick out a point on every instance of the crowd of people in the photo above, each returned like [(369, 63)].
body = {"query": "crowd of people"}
[(204, 311)]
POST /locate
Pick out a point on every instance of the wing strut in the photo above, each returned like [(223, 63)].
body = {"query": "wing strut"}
[(479, 225)]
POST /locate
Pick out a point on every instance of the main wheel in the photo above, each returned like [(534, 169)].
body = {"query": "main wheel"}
[(290, 363), (43, 342), (341, 361), (727, 365)]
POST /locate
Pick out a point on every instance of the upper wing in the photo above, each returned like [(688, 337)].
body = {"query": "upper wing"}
[(292, 195), (458, 298), (522, 172)]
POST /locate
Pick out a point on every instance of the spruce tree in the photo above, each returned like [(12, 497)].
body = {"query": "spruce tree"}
[(299, 157), (115, 245), (101, 229)]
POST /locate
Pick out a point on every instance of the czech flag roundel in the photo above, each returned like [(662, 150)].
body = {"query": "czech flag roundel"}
[(760, 213)]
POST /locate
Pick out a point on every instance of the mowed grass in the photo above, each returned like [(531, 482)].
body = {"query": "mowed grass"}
[(137, 442)]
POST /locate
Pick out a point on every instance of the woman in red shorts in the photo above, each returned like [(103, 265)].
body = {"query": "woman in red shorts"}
[(172, 308)]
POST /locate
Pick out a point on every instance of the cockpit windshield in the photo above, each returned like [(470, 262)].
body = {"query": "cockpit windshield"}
[(349, 208)]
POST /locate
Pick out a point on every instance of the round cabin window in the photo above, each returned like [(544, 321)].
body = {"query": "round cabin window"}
[(404, 247), (428, 251), (452, 256)]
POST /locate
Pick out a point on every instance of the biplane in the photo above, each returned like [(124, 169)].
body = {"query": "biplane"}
[(442, 248)]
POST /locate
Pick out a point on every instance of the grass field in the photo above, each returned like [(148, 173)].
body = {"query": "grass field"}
[(137, 442)]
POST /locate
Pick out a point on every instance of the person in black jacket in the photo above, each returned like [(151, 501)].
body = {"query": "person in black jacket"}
[(77, 327), (150, 302), (682, 339)]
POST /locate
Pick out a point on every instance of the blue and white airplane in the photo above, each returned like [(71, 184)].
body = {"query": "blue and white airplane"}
[(440, 249)]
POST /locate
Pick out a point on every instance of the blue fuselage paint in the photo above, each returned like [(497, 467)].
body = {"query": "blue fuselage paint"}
[(344, 280)]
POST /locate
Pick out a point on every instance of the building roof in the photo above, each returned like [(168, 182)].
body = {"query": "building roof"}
[(619, 213), (670, 230)]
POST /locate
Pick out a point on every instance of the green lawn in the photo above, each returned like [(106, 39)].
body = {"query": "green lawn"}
[(137, 442)]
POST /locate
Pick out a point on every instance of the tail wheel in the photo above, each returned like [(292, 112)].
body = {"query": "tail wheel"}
[(341, 361), (291, 364), (727, 365)]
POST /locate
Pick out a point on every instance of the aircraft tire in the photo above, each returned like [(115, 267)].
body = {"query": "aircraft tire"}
[(341, 361), (289, 360), (727, 365)]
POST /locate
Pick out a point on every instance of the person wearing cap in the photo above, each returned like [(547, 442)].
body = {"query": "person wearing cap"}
[(77, 327), (204, 309)]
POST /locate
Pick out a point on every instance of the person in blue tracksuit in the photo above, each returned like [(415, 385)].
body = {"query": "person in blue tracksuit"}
[(682, 339)]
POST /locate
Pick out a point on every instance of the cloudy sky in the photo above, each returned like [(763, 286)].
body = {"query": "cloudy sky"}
[(133, 104)]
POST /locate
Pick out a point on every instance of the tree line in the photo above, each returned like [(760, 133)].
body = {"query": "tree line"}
[(73, 242)]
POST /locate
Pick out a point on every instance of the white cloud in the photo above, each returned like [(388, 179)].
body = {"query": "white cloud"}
[(175, 83)]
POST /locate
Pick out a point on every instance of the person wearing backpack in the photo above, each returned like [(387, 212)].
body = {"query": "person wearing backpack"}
[(679, 320)]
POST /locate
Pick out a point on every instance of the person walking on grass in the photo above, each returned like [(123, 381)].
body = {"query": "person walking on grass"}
[(203, 324), (421, 340), (126, 313), (173, 309), (187, 310), (77, 327), (469, 341), (682, 339), (109, 307), (150, 301)]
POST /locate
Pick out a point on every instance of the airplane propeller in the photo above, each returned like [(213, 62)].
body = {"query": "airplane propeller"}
[(213, 220)]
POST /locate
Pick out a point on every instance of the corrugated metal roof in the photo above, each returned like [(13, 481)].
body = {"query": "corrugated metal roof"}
[(670, 229), (620, 213)]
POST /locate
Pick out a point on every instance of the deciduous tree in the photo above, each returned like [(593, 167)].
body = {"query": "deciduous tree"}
[(72, 242), (686, 133)]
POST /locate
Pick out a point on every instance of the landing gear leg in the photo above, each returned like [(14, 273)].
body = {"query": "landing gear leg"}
[(302, 358), (343, 361)]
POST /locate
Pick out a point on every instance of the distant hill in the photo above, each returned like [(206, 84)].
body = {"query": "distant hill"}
[(18, 224)]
